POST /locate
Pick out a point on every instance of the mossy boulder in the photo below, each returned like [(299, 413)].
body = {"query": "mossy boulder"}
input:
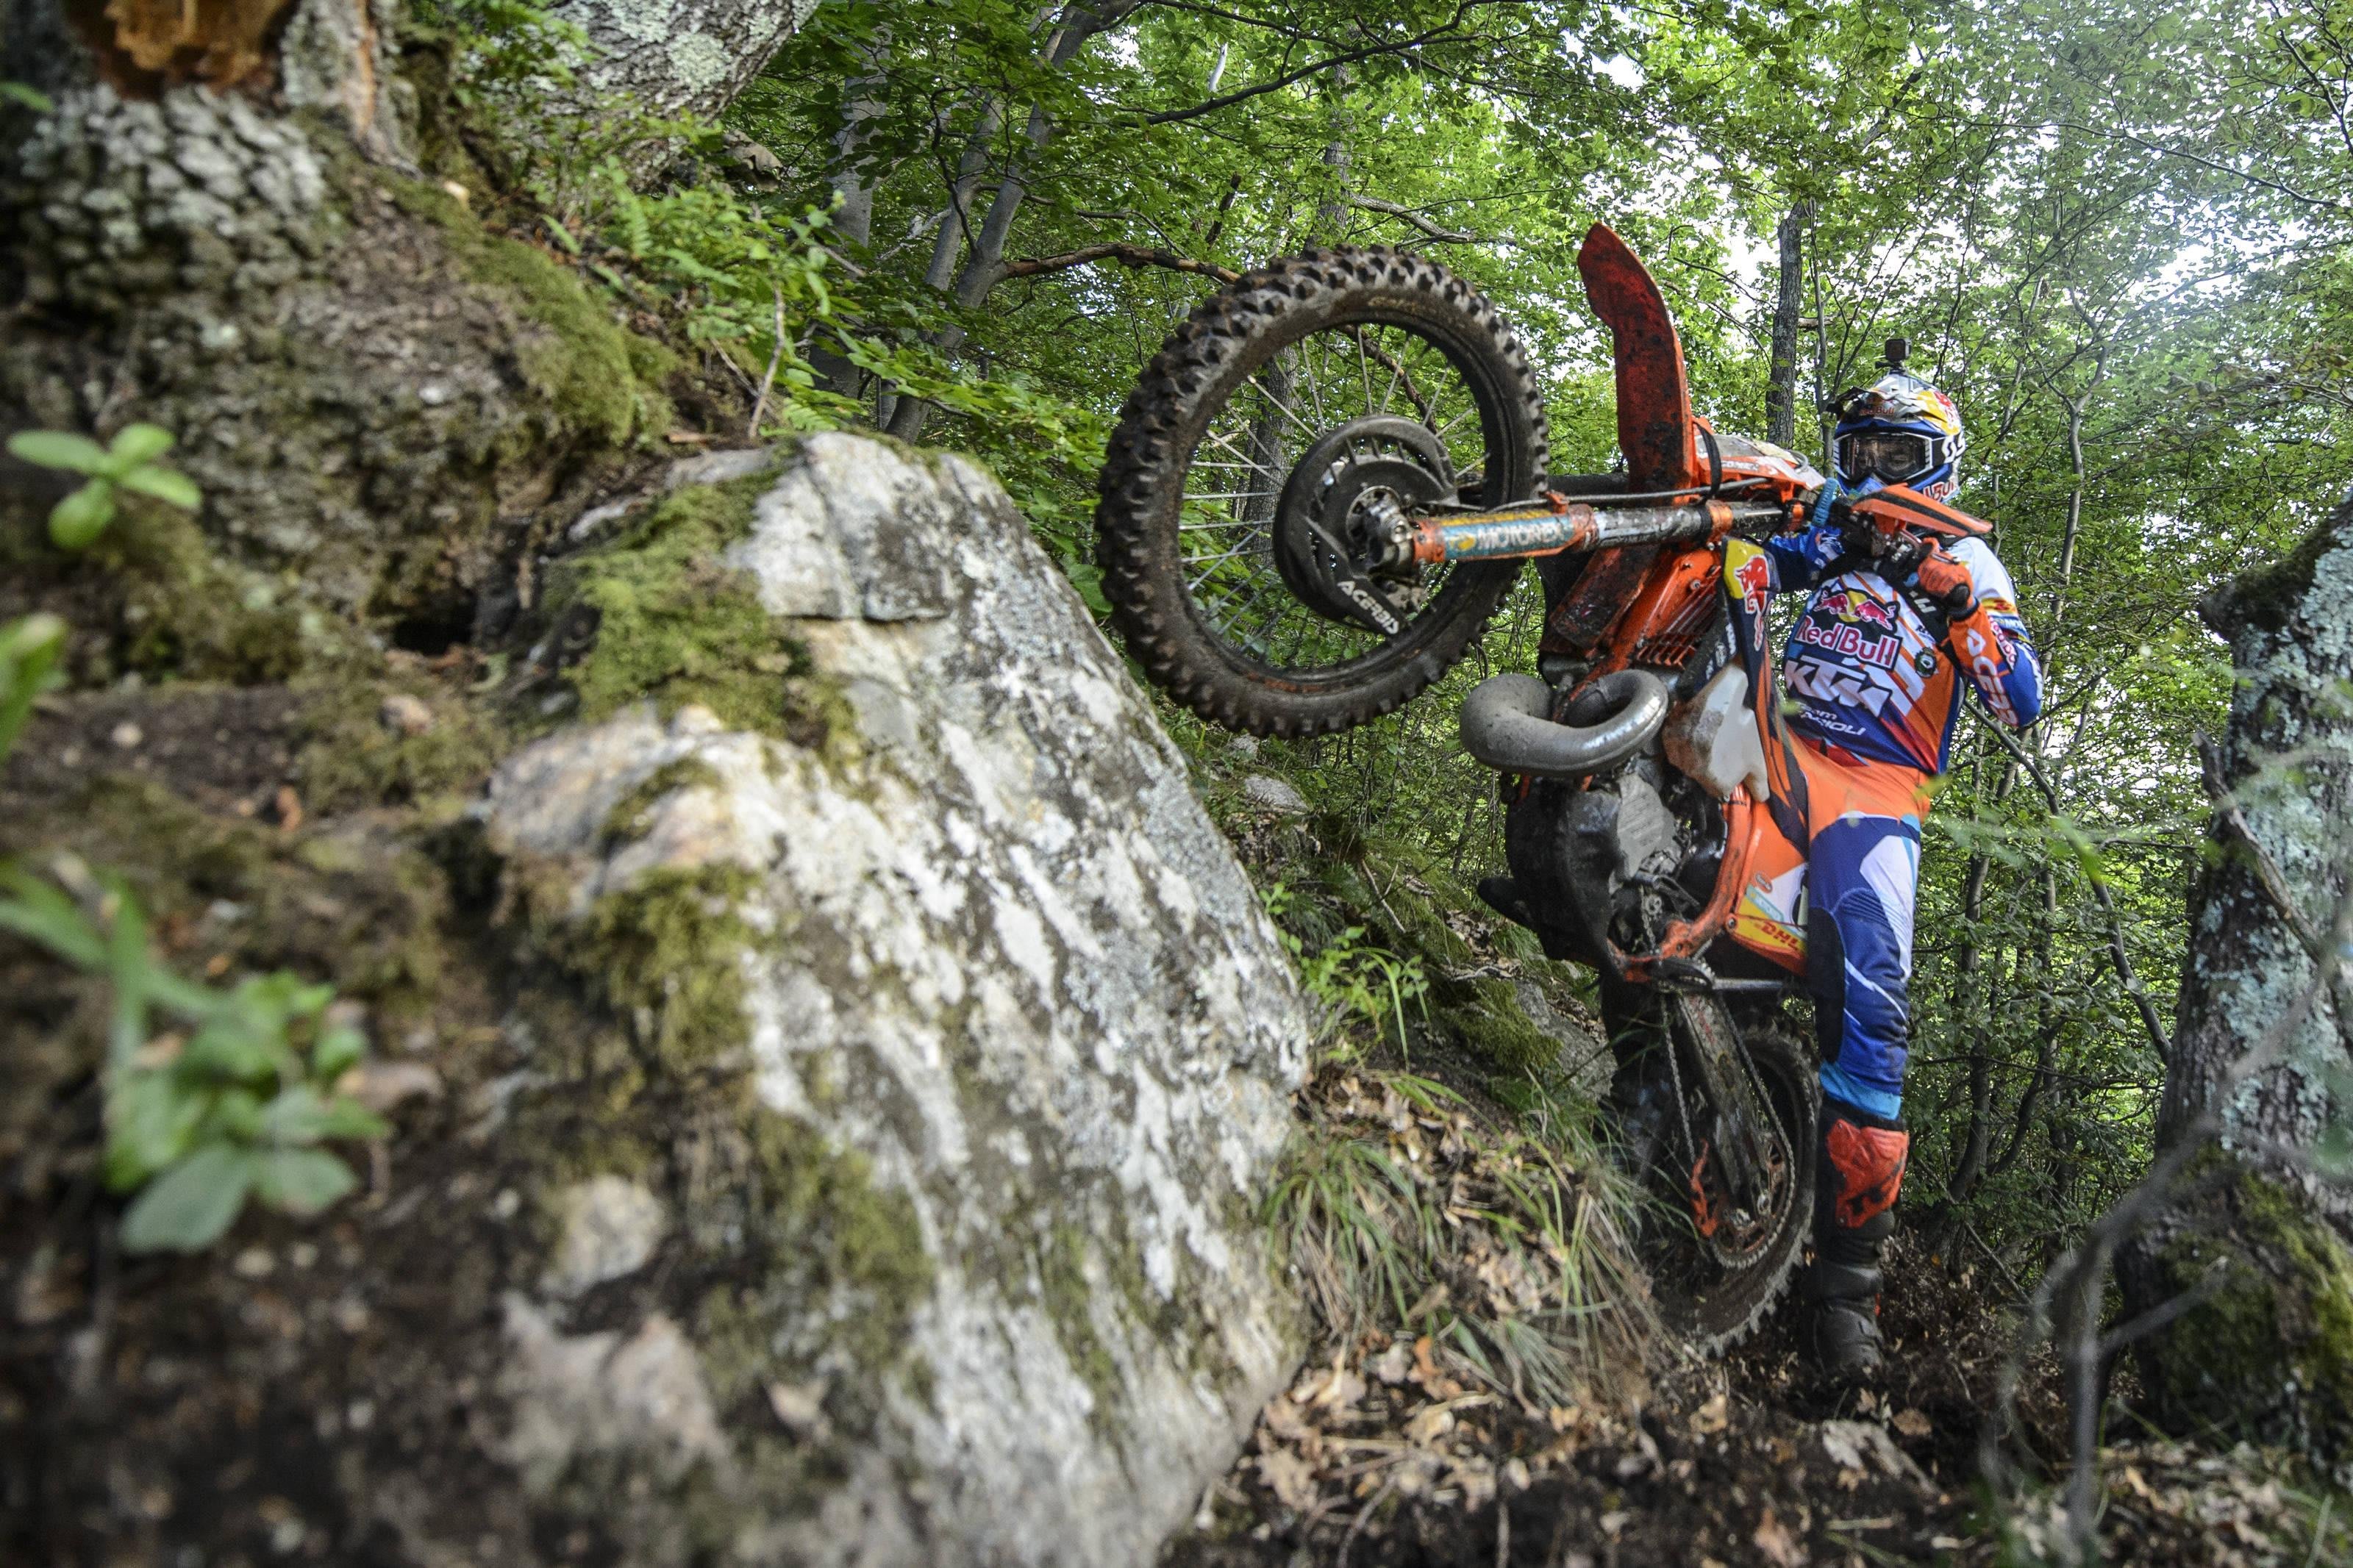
[(952, 1034)]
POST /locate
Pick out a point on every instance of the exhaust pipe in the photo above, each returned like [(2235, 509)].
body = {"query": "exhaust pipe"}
[(1507, 723)]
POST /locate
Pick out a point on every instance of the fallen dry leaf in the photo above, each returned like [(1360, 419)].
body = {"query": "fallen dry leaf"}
[(1281, 1418), (1912, 1423), (1428, 1424), (1774, 1540), (1289, 1477)]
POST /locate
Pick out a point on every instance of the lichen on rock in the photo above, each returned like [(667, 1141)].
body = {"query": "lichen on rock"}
[(989, 976)]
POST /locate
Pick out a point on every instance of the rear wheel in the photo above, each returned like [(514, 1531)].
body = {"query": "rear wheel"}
[(1713, 1288), (1277, 434)]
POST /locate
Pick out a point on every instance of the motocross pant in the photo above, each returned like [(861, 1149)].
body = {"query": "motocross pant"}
[(1862, 875)]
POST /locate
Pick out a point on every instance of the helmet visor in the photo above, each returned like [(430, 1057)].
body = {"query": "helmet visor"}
[(1891, 457)]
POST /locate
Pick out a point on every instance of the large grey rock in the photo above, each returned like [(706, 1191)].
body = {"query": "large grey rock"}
[(999, 956)]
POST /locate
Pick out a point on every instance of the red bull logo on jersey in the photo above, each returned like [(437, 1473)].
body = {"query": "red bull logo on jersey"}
[(1747, 574), (1871, 647), (1855, 607)]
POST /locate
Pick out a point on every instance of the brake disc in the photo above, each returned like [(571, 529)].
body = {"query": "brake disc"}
[(1340, 484)]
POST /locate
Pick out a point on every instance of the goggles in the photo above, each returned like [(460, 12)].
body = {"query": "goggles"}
[(1891, 457)]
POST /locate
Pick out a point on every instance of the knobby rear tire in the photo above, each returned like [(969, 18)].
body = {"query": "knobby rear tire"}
[(1205, 363), (1714, 1310)]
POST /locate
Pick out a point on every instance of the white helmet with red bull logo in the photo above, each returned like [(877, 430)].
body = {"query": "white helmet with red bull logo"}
[(1901, 430)]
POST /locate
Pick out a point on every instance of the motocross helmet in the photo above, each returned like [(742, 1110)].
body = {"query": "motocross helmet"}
[(1901, 430)]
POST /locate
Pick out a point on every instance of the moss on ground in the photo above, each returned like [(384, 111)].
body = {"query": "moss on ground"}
[(358, 751), (1491, 1023), (344, 904), (152, 598)]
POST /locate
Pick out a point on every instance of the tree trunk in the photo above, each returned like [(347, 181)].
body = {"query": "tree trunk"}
[(228, 237), (694, 56), (2259, 1050), (1781, 391)]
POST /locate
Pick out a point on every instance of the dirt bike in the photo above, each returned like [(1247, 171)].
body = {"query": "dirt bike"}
[(1317, 495)]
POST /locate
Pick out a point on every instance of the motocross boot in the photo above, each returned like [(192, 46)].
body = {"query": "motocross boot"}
[(1861, 1170)]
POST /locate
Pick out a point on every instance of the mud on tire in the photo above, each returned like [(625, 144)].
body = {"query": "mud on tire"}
[(1205, 363)]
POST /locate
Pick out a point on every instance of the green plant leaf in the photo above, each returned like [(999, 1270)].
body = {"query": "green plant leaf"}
[(31, 97), (295, 1115), (165, 485), (137, 444), (300, 1180), (75, 521), (29, 649), (235, 1116), (151, 1118), (232, 1046), (337, 1049), (58, 449), (44, 914), (347, 1118), (191, 1204)]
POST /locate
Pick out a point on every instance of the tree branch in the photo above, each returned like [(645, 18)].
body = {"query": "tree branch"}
[(2117, 953), (1171, 116), (1125, 254), (2332, 203), (1449, 235)]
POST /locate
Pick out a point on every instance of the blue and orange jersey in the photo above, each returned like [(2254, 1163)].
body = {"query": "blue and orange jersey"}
[(1869, 675)]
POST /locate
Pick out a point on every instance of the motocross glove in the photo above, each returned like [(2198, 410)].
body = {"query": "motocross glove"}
[(1947, 583)]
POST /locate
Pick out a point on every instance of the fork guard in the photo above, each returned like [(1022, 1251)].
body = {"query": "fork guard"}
[(1507, 723)]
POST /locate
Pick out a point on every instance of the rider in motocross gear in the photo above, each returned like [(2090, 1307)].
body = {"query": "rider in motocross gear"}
[(1875, 667)]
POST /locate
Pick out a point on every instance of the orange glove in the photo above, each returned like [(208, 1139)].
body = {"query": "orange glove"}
[(1947, 583)]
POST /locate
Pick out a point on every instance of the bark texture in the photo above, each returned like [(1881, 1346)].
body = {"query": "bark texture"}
[(372, 392), (2261, 1235), (694, 56)]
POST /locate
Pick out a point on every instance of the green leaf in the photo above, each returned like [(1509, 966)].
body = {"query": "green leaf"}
[(295, 1115), (29, 647), (137, 444), (46, 915), (191, 1204), (165, 485), (31, 97), (337, 1049), (301, 1181), (347, 1118), (151, 1118), (235, 1116), (75, 521), (58, 449), (232, 1046)]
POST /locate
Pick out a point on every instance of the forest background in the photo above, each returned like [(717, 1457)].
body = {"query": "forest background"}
[(2116, 233)]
